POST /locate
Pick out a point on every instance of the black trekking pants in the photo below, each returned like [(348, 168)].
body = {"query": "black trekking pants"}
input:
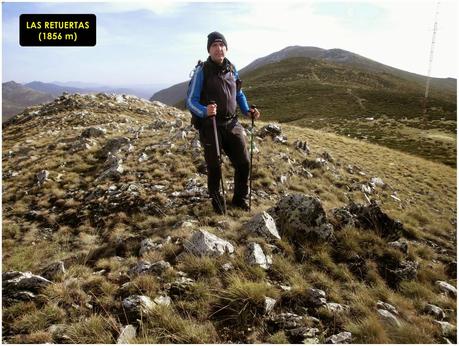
[(231, 138)]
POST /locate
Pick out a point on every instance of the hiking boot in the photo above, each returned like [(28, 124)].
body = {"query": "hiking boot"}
[(217, 203), (241, 203)]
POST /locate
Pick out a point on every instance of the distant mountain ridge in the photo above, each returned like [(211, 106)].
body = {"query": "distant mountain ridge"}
[(16, 97), (176, 93)]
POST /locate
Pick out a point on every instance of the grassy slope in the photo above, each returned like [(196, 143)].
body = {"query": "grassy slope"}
[(428, 204), (338, 98)]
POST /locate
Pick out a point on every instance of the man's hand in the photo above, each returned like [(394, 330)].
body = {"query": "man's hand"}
[(212, 110), (254, 113)]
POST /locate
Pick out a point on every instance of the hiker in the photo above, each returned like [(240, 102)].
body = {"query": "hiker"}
[(217, 80)]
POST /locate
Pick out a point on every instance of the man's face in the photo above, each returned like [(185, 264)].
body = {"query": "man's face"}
[(217, 52)]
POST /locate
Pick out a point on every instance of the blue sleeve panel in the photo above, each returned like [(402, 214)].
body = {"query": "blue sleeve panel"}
[(240, 97), (192, 101)]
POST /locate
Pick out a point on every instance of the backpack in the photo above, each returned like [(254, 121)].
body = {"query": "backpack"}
[(196, 120)]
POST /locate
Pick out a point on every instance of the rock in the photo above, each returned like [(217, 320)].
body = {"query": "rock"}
[(407, 270), (302, 335), (389, 317), (327, 157), (137, 304), (366, 189), (272, 130), (256, 256), (127, 334), (93, 132), (387, 306), (264, 225), (301, 217), (280, 139), (446, 287), (435, 311), (143, 157), (316, 297), (148, 245), (41, 177), (227, 267), (53, 270), (337, 308), (447, 329), (314, 164), (112, 146), (14, 281), (163, 300), (376, 182), (269, 305), (343, 218), (203, 243), (159, 267), (401, 245), (372, 217), (180, 287), (145, 267), (113, 167), (302, 146), (341, 338), (284, 321)]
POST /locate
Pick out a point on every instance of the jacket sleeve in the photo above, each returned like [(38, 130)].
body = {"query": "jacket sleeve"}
[(192, 101), (240, 97)]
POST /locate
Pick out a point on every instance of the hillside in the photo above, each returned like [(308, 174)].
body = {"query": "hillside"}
[(16, 97), (344, 93), (104, 203)]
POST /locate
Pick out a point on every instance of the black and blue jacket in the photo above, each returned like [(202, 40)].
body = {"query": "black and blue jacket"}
[(219, 83)]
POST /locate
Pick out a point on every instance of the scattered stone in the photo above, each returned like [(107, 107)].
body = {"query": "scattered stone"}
[(272, 130), (316, 297), (446, 287), (301, 217), (264, 225), (143, 157), (227, 266), (113, 146), (14, 281), (53, 270), (389, 317), (145, 267), (127, 334), (284, 321), (386, 306), (203, 243), (447, 329), (401, 245), (137, 304), (327, 157), (180, 287), (41, 177), (376, 182), (435, 311), (337, 308), (341, 338), (256, 256), (269, 305), (163, 300), (93, 132), (305, 335), (302, 146), (314, 164)]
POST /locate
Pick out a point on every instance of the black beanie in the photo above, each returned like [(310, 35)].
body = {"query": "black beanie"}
[(215, 37)]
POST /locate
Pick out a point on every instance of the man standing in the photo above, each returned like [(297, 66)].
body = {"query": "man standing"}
[(217, 80)]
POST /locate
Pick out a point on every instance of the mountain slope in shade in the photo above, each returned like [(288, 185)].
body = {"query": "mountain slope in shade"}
[(16, 97)]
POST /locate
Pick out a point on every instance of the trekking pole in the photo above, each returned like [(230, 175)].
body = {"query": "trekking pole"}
[(251, 156), (220, 161)]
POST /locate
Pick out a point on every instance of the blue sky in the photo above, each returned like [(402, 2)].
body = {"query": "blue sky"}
[(159, 42)]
